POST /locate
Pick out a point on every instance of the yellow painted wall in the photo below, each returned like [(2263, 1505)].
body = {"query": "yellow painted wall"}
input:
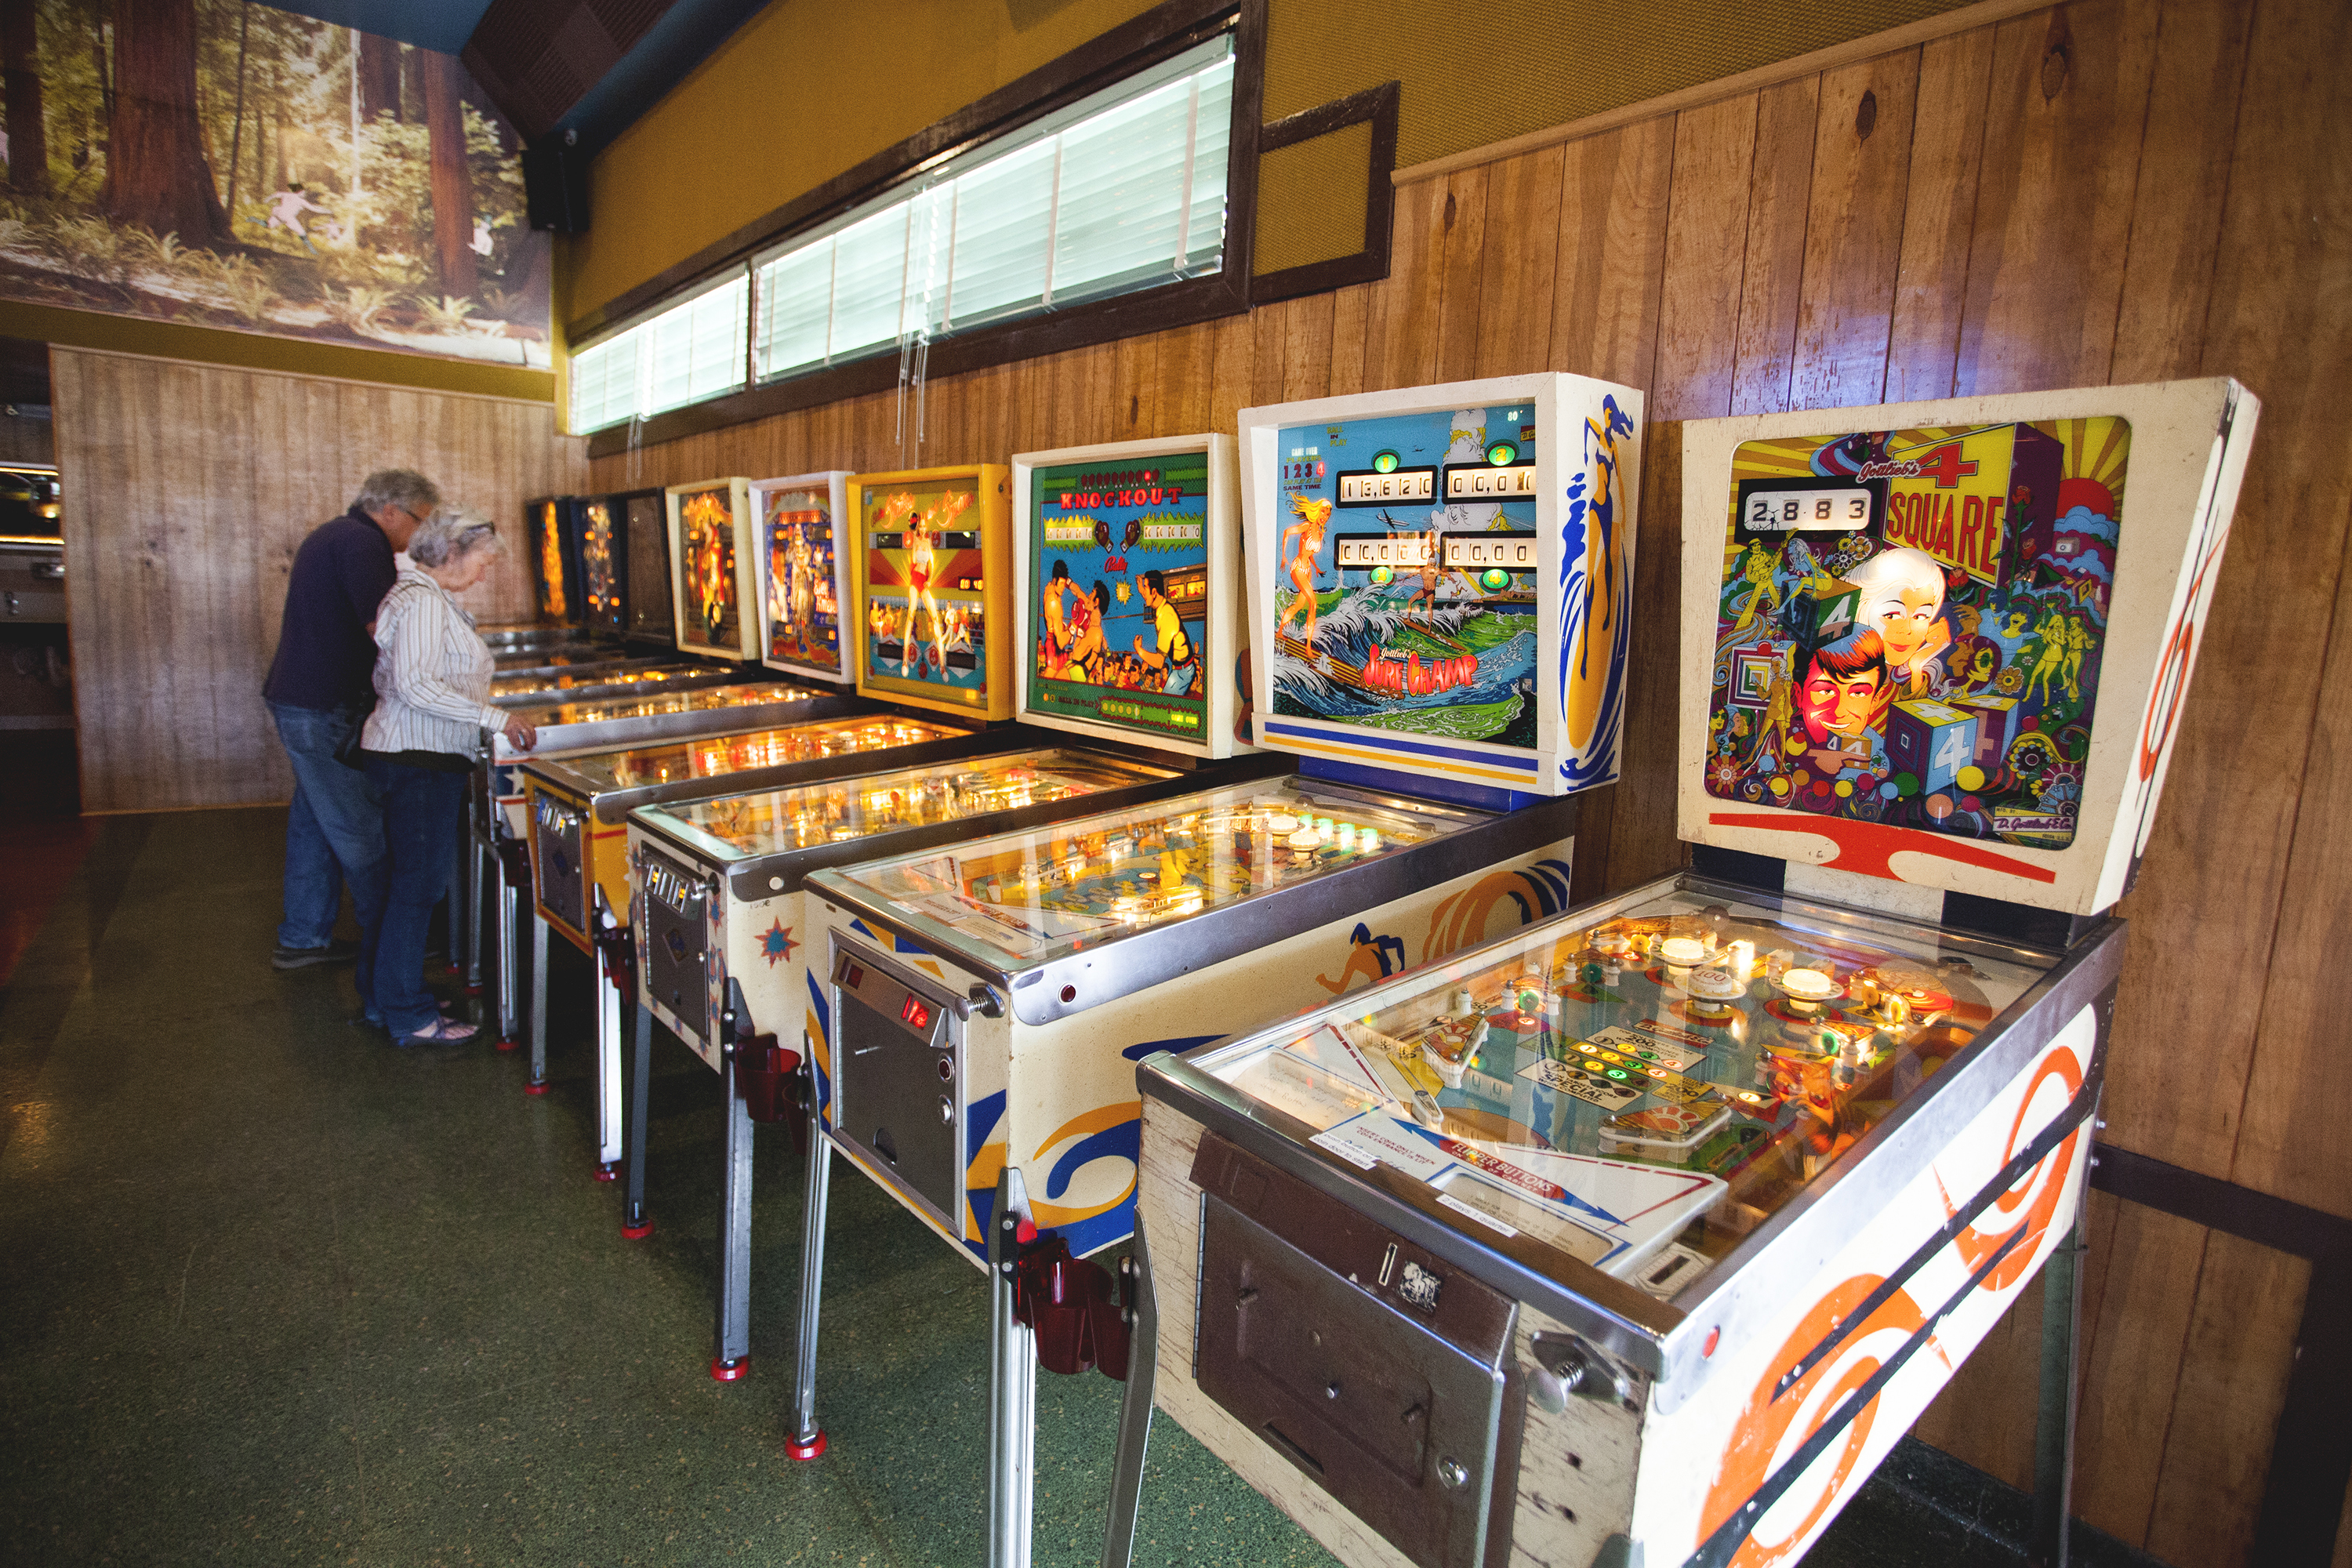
[(806, 90), (811, 88), (259, 351)]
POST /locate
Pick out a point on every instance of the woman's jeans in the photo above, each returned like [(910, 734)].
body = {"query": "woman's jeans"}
[(421, 813), (334, 833)]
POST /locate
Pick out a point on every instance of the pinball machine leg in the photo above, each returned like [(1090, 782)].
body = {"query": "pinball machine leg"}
[(732, 1357), (609, 1152), (474, 921), (537, 1082), (807, 1440), (509, 904), (1012, 1389), (636, 1224), (1134, 1413), (2054, 1431)]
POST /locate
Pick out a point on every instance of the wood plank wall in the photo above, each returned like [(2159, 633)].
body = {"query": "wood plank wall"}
[(188, 488), (2106, 192)]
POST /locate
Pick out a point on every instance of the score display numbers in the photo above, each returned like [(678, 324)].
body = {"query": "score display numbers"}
[(914, 1014), (1775, 509)]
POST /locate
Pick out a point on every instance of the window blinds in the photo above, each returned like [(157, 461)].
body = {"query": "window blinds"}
[(1123, 191)]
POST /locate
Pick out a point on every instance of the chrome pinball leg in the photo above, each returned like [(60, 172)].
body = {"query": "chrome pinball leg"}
[(733, 1350), (636, 1224), (807, 1440), (538, 1082), (609, 1152), (1134, 1413), (1012, 1389), (508, 938), (474, 921), (2053, 1432)]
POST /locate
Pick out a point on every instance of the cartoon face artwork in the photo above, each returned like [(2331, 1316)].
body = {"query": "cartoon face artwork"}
[(1911, 621), (924, 584), (1120, 557), (803, 619)]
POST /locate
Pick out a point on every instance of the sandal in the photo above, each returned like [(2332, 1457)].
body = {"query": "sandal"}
[(447, 1032)]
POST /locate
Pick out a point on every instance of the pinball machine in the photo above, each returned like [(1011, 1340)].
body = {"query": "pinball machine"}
[(714, 568), (1643, 1234), (1411, 558), (722, 927), (801, 537)]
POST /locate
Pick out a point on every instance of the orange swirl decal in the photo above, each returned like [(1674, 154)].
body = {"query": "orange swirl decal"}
[(2036, 1193), (1778, 1419)]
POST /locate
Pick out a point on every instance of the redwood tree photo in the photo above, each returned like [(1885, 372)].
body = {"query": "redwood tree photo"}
[(156, 172)]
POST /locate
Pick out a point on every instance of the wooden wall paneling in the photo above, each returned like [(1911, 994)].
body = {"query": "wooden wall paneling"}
[(1402, 351), (1947, 131), (1854, 232), (1517, 288), (1462, 226), (1350, 309), (1137, 401), (2225, 1410), (2144, 1271), (2054, 216), (1611, 247), (1788, 119), (1269, 325), (1305, 354), (1706, 249), (1639, 825), (2280, 319), (2284, 309), (1187, 363), (1229, 380), (1610, 242)]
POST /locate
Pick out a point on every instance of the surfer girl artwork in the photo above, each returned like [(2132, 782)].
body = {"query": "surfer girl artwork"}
[(1447, 583), (1385, 619), (1911, 624)]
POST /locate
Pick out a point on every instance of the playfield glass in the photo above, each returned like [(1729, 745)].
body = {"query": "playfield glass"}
[(547, 559), (1636, 1090), (646, 520), (1120, 560), (1406, 574), (1043, 894), (1912, 622), (601, 546), (518, 685), (700, 700), (926, 629), (796, 530), (723, 755), (547, 659), (714, 615), (745, 827)]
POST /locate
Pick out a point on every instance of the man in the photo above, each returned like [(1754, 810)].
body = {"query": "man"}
[(1172, 659), (1842, 702), (320, 687)]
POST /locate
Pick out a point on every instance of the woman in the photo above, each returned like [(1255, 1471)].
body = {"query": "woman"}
[(432, 689)]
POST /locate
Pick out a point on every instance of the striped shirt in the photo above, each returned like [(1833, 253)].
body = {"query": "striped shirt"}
[(432, 676)]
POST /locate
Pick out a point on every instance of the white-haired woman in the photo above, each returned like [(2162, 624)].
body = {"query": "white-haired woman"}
[(433, 689)]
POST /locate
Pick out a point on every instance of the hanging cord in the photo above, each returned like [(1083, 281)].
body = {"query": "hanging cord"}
[(915, 324)]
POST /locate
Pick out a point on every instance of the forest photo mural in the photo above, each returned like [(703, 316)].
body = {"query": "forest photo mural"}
[(223, 163)]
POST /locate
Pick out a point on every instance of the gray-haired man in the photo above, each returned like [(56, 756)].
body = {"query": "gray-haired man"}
[(319, 690)]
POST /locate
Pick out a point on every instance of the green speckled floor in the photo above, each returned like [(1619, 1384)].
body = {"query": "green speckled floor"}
[(275, 1292)]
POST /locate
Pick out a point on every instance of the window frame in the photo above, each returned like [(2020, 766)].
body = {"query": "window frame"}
[(1157, 35)]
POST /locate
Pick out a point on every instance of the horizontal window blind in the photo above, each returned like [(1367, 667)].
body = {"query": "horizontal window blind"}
[(689, 351), (1122, 190)]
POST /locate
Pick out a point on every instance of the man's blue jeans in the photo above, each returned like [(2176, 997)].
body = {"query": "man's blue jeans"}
[(421, 812), (334, 833)]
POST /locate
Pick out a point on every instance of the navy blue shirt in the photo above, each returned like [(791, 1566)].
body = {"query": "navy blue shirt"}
[(325, 658)]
